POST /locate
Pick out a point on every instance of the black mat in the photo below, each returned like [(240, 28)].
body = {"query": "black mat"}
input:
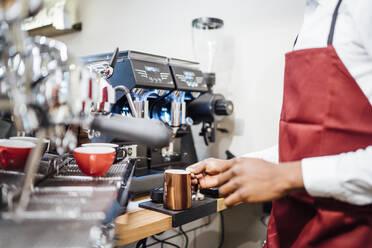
[(199, 209)]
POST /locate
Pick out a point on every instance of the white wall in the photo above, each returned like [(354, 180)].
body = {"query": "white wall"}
[(260, 33)]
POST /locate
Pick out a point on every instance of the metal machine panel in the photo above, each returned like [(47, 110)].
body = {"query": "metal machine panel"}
[(187, 75), (137, 70), (189, 79), (152, 75)]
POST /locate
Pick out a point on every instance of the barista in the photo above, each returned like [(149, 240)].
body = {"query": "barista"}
[(322, 187)]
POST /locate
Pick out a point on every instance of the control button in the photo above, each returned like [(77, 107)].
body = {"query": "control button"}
[(189, 121), (130, 151), (223, 107)]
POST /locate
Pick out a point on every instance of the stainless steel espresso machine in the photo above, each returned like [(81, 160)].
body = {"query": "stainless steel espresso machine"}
[(167, 89), (146, 103), (45, 90)]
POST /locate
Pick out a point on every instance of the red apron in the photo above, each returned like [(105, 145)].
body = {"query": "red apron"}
[(324, 113)]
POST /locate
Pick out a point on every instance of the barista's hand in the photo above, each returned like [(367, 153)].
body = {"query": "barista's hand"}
[(255, 180), (206, 172)]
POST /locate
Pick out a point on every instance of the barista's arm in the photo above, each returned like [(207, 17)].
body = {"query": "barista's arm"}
[(256, 180), (248, 179), (345, 177), (270, 154)]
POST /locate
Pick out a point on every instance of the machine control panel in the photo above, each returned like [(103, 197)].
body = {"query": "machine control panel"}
[(142, 70), (189, 79), (152, 75)]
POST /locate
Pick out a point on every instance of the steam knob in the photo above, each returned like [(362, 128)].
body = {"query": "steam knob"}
[(223, 107)]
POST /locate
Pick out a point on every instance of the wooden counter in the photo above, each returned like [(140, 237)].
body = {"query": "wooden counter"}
[(143, 223)]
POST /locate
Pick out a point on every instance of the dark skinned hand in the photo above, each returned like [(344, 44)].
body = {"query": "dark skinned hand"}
[(206, 172), (248, 179)]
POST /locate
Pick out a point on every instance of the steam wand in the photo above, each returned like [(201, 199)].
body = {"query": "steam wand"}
[(32, 166), (129, 99), (122, 88)]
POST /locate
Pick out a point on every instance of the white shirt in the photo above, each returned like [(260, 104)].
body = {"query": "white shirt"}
[(348, 176)]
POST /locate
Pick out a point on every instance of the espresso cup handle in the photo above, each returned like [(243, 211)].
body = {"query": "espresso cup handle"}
[(125, 152), (48, 146)]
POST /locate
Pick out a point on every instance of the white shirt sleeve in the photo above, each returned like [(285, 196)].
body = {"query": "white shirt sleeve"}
[(346, 177), (270, 154), (363, 21)]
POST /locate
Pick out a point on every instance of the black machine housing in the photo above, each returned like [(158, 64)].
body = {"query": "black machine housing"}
[(172, 90)]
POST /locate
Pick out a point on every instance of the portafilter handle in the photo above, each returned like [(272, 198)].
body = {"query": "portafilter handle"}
[(150, 132), (119, 206), (100, 236)]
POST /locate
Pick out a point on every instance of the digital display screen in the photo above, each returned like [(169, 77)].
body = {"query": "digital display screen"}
[(189, 75), (152, 75), (151, 69), (189, 79)]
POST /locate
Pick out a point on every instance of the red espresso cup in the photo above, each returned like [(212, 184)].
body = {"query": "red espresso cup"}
[(14, 154), (120, 152), (46, 142), (94, 161)]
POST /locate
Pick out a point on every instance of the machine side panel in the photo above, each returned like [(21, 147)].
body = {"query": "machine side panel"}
[(123, 75)]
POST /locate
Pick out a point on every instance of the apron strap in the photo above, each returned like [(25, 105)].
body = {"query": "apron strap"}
[(295, 42), (333, 24)]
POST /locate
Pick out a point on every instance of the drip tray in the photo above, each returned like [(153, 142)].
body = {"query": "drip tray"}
[(72, 176), (199, 209)]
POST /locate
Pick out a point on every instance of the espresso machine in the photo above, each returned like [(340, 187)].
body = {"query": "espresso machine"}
[(144, 102), (171, 90), (46, 90)]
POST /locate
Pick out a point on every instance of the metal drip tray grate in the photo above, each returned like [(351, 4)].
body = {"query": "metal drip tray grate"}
[(66, 174), (72, 170), (64, 205), (71, 175)]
